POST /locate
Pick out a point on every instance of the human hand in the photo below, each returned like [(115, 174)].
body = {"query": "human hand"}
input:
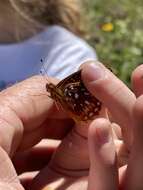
[(70, 164), (127, 110), (53, 178), (27, 115)]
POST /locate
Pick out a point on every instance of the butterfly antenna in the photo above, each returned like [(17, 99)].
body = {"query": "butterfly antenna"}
[(44, 69)]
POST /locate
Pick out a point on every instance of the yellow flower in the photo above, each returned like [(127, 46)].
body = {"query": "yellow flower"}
[(108, 27)]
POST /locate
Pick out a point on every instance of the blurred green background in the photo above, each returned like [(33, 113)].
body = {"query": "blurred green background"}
[(116, 32)]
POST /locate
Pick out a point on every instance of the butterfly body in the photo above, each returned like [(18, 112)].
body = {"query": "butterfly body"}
[(74, 97)]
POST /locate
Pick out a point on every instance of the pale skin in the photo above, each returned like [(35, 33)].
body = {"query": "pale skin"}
[(27, 116)]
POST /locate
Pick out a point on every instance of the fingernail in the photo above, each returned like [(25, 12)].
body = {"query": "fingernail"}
[(93, 72)]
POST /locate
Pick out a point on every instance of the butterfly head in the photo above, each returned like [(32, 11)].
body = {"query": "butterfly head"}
[(50, 88)]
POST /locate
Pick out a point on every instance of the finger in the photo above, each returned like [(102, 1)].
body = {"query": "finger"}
[(137, 80), (23, 108), (122, 153), (112, 92), (134, 176), (35, 158), (103, 169), (10, 186), (29, 100), (8, 177), (50, 129), (117, 130), (71, 157), (122, 175), (27, 178)]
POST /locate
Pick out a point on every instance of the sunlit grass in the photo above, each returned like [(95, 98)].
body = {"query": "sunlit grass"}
[(116, 32)]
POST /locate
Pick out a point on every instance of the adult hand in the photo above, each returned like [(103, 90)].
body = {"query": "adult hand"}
[(27, 115), (69, 167)]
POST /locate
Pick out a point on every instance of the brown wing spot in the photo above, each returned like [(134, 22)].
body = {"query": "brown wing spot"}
[(67, 99)]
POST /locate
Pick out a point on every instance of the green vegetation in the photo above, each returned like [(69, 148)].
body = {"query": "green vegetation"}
[(116, 32)]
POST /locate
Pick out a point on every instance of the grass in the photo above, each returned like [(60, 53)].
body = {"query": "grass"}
[(116, 32)]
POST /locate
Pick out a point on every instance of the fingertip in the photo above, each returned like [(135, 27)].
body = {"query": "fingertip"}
[(138, 108), (101, 142), (92, 71), (138, 121), (98, 128), (137, 80), (92, 61), (103, 168), (138, 72)]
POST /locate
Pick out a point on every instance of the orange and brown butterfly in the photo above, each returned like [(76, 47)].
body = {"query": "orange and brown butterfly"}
[(74, 97)]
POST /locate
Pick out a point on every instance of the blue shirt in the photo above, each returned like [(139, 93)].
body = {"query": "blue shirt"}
[(61, 51)]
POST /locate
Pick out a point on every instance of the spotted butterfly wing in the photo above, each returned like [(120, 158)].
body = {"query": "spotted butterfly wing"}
[(73, 78), (75, 98)]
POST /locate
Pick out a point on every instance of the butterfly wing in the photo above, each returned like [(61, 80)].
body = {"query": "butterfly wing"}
[(73, 78), (79, 102), (75, 98)]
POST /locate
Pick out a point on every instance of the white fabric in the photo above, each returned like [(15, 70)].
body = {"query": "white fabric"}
[(61, 51)]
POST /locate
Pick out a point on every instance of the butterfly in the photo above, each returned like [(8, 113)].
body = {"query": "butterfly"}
[(74, 97)]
